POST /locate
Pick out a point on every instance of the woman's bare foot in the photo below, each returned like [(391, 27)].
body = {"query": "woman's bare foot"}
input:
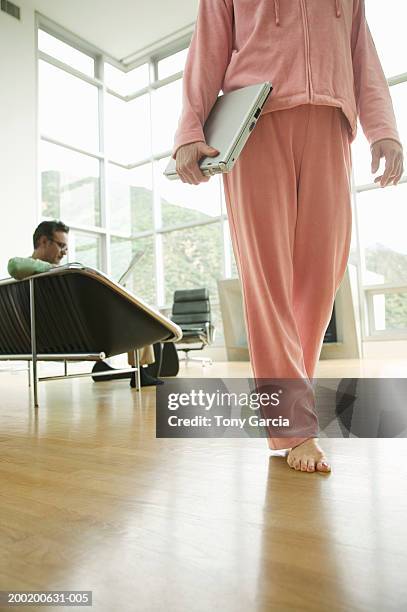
[(308, 457)]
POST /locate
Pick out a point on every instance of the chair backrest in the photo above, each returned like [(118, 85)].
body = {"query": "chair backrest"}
[(191, 308), (78, 310)]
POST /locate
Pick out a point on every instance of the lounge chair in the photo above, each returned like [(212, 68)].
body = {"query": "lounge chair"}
[(75, 313)]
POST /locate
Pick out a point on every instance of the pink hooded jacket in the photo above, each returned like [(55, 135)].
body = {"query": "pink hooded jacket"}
[(312, 51)]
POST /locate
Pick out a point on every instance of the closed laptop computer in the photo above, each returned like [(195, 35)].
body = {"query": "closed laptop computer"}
[(229, 125)]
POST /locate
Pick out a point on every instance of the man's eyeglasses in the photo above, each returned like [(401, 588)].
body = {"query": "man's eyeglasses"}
[(63, 247)]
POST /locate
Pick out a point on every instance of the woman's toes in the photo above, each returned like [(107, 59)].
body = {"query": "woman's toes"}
[(309, 464), (323, 466)]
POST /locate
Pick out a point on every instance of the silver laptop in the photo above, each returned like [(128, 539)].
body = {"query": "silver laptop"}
[(228, 127), (124, 277)]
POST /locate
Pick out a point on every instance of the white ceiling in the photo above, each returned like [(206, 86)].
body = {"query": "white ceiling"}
[(119, 27)]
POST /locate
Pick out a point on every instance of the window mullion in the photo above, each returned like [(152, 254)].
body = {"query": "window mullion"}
[(103, 195)]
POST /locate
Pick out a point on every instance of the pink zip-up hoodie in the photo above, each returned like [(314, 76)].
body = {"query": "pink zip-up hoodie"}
[(312, 51)]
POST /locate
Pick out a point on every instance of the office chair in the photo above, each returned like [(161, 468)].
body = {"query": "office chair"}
[(191, 311)]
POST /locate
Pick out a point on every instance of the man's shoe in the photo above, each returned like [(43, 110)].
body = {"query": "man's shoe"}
[(145, 379), (102, 366)]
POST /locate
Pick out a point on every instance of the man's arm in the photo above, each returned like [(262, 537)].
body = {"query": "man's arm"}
[(22, 267), (207, 60), (373, 100)]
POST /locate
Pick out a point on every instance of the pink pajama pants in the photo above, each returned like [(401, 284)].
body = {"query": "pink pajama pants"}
[(288, 199)]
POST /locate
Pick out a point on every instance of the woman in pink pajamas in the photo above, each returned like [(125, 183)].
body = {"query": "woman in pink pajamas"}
[(288, 196)]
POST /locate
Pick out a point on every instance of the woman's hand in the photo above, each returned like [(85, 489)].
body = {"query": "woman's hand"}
[(392, 151), (187, 158)]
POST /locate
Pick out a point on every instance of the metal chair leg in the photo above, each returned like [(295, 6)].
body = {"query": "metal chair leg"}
[(137, 372), (33, 342)]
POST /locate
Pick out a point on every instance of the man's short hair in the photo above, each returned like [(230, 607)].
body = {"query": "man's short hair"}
[(47, 228)]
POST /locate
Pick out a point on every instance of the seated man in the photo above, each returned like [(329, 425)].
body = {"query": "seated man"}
[(50, 247)]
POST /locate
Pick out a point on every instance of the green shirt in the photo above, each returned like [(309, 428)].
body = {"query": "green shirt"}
[(21, 267)]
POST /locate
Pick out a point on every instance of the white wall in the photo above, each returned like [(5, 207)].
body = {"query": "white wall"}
[(18, 135)]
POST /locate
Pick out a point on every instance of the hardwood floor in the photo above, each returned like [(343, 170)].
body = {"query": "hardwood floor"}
[(91, 500)]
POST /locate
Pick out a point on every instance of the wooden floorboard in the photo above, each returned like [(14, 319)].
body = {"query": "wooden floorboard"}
[(91, 500)]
